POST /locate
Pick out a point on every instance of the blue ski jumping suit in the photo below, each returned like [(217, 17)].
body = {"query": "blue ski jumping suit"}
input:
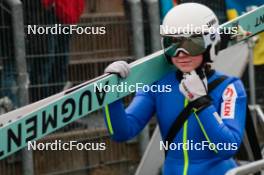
[(222, 124)]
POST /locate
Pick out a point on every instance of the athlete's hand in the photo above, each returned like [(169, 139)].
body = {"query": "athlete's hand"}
[(192, 87), (119, 67)]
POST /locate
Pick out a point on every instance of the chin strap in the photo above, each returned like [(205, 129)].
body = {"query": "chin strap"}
[(201, 72), (206, 55)]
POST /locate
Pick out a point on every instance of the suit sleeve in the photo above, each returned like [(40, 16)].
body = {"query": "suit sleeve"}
[(225, 126), (123, 124)]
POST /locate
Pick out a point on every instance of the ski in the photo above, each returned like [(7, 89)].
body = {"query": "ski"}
[(36, 120), (248, 25)]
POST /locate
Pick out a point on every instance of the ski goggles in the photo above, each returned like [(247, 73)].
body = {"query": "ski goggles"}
[(192, 45)]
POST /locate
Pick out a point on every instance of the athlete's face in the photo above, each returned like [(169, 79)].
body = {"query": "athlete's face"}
[(187, 63)]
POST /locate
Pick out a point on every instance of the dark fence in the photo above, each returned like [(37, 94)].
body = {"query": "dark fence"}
[(56, 62)]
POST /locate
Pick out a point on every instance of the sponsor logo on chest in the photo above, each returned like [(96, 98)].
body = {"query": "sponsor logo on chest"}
[(229, 100)]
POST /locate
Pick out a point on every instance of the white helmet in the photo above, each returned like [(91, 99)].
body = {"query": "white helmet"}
[(187, 20)]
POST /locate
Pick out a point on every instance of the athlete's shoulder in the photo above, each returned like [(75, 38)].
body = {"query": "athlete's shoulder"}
[(218, 74), (231, 83)]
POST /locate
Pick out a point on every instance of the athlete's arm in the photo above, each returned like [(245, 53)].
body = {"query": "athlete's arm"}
[(123, 124), (226, 125)]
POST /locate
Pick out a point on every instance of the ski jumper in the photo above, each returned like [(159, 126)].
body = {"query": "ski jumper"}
[(221, 123)]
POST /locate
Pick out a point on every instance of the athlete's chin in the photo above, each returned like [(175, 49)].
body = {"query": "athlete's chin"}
[(185, 68)]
